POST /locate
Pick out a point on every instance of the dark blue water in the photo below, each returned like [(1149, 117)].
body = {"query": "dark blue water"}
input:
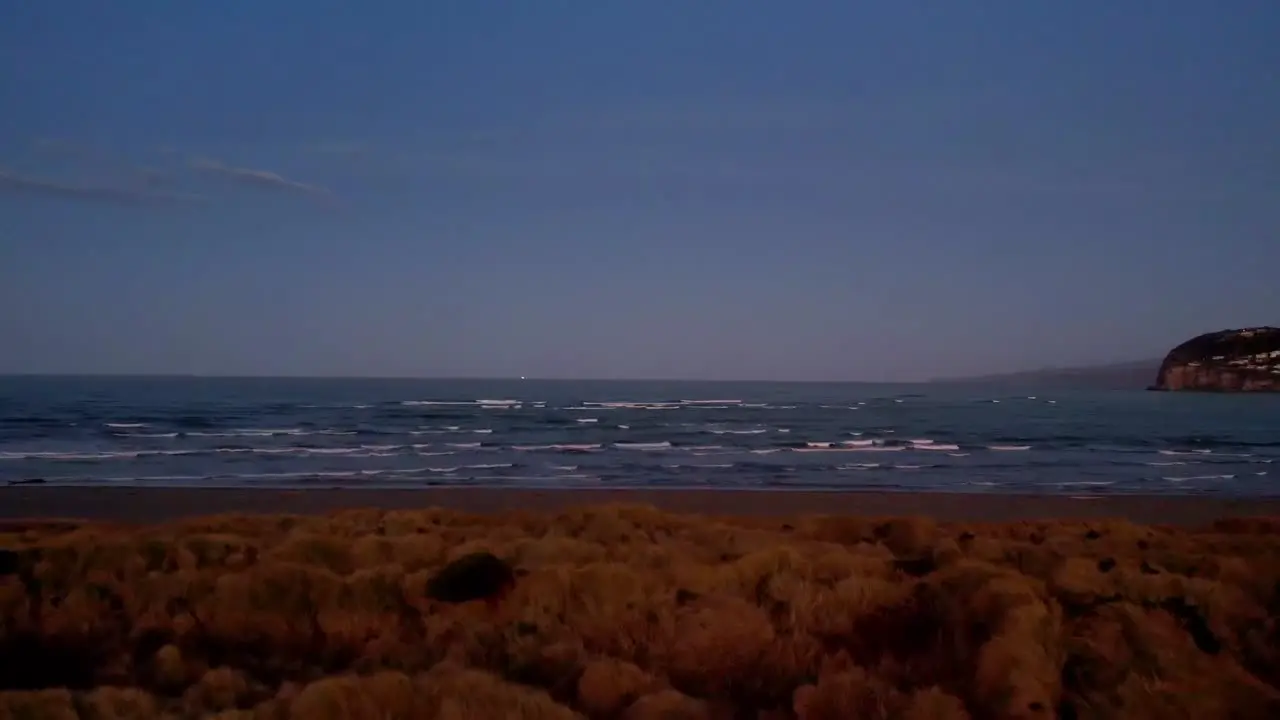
[(405, 433)]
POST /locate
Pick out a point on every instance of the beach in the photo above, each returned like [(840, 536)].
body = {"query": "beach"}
[(149, 505)]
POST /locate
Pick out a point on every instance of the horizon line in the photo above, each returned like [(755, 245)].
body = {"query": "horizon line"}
[(512, 378), (468, 378)]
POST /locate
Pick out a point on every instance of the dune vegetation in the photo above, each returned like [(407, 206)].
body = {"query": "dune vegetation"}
[(629, 612)]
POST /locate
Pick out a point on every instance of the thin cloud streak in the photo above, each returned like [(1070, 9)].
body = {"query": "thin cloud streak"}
[(259, 178), (14, 183)]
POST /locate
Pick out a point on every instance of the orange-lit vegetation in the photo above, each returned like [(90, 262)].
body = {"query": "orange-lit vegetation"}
[(628, 612)]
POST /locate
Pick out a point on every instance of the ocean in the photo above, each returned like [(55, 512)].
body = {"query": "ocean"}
[(291, 433)]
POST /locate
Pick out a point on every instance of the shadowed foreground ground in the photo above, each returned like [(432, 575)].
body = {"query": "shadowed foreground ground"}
[(625, 611)]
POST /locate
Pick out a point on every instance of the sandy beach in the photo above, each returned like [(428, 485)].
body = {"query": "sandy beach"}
[(149, 505)]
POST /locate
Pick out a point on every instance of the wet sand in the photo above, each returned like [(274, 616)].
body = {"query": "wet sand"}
[(150, 505)]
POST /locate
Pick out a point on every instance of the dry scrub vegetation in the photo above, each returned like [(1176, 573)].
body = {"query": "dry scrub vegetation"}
[(628, 612)]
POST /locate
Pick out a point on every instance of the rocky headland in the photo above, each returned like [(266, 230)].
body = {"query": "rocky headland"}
[(1244, 360)]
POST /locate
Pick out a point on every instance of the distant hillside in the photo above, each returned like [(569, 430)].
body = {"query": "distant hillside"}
[(1135, 375)]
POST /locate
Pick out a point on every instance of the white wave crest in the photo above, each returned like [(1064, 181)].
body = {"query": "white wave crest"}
[(662, 445), (147, 435), (711, 402), (872, 448)]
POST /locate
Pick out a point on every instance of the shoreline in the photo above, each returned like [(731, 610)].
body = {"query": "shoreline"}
[(162, 504)]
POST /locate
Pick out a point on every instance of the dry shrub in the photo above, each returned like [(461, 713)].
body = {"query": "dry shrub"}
[(933, 704), (112, 703), (844, 694), (218, 689), (627, 612), (37, 705), (909, 537), (327, 551), (459, 693), (170, 671), (382, 695), (608, 685), (716, 646), (667, 705)]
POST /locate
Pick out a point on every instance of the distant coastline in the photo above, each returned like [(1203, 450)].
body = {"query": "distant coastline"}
[(1134, 375)]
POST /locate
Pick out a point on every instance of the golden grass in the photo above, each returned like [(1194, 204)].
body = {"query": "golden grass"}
[(628, 612)]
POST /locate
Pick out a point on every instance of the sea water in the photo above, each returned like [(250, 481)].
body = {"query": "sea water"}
[(262, 432)]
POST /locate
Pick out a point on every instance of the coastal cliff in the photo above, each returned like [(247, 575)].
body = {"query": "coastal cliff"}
[(1245, 360)]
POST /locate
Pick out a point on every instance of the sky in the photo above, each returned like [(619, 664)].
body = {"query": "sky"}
[(876, 191)]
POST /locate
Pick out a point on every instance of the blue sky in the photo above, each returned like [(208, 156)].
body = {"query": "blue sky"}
[(730, 190)]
